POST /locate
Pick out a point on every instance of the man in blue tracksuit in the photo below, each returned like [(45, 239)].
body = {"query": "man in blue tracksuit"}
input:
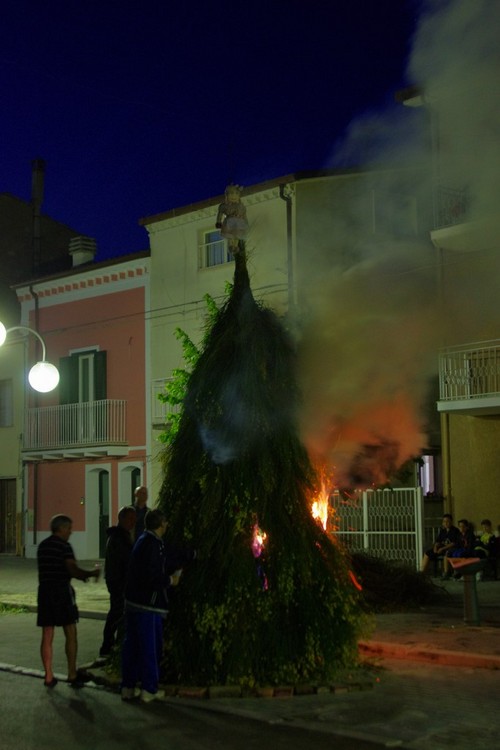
[(154, 567)]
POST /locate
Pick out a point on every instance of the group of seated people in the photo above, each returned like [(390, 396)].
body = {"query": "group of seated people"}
[(453, 542)]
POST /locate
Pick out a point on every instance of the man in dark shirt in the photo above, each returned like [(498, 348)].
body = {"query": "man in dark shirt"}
[(56, 597), (154, 568), (118, 551), (447, 539)]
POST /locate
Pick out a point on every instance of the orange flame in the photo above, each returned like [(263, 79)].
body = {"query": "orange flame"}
[(355, 581), (320, 507)]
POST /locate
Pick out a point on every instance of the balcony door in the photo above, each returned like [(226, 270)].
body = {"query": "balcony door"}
[(86, 395), (82, 384)]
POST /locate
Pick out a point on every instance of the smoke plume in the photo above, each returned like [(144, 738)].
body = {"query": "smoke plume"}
[(376, 321)]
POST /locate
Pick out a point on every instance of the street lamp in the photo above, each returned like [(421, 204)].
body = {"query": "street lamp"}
[(43, 377)]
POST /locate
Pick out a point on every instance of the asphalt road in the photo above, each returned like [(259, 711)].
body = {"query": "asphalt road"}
[(34, 718)]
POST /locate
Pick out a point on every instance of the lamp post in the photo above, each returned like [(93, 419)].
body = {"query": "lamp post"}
[(43, 376)]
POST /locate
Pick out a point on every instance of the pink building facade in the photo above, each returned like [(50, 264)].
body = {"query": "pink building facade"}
[(85, 445)]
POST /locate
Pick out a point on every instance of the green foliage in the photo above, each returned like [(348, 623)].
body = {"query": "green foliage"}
[(290, 614), (12, 609), (175, 389)]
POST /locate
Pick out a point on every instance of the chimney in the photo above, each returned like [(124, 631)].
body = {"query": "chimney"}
[(82, 249), (37, 180)]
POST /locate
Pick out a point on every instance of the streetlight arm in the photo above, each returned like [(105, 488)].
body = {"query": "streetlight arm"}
[(35, 333), (43, 376)]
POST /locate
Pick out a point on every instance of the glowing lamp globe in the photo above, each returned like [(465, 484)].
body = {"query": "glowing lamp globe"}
[(43, 377), (3, 334)]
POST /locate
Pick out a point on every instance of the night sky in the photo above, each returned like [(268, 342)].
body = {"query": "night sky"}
[(140, 107)]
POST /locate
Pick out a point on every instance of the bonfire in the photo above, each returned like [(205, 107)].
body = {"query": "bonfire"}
[(270, 599)]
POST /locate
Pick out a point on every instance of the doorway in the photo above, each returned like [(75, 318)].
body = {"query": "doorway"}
[(8, 516)]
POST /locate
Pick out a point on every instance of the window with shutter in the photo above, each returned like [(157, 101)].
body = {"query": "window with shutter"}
[(83, 377)]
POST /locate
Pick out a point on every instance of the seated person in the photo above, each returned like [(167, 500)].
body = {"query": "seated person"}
[(447, 539), (487, 547), (464, 548), (485, 541)]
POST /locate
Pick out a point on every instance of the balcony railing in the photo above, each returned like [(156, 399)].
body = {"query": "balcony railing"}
[(452, 206), (94, 423), (470, 372)]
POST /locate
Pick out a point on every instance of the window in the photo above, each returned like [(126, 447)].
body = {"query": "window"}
[(160, 409), (212, 250), (6, 408)]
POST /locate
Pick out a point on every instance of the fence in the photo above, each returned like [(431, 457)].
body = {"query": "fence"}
[(384, 523)]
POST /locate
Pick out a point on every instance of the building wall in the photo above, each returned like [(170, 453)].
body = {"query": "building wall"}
[(72, 488), (101, 308), (470, 291), (12, 368), (114, 323), (475, 468)]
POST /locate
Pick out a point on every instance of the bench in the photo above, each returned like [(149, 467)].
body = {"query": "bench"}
[(490, 563)]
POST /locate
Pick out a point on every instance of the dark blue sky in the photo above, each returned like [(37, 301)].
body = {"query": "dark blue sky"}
[(143, 106)]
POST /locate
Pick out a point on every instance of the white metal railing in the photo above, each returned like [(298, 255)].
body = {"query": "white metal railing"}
[(160, 411), (452, 206), (383, 523), (470, 371), (70, 425)]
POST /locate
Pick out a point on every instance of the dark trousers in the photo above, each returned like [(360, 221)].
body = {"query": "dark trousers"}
[(142, 650), (114, 619)]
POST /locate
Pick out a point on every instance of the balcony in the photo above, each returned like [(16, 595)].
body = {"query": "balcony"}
[(469, 379), (93, 429)]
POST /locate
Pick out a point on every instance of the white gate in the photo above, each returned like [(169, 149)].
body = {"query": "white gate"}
[(383, 523)]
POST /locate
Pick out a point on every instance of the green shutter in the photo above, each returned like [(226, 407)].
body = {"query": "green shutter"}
[(68, 384), (100, 375)]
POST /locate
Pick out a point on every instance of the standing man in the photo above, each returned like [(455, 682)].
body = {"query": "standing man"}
[(154, 567), (118, 551), (56, 597), (141, 508)]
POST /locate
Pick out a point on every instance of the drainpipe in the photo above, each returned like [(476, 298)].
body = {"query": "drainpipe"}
[(286, 195), (35, 463), (446, 458)]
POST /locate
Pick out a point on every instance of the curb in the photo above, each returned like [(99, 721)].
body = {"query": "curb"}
[(88, 614), (96, 673), (422, 653)]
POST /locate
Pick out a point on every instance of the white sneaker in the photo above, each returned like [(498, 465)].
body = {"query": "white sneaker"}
[(148, 697), (129, 694)]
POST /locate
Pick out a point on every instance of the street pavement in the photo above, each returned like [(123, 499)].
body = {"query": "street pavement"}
[(426, 678)]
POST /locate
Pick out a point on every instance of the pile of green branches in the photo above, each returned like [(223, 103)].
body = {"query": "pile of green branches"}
[(235, 465), (391, 586)]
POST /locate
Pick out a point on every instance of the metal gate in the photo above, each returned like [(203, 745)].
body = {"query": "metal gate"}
[(383, 523)]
